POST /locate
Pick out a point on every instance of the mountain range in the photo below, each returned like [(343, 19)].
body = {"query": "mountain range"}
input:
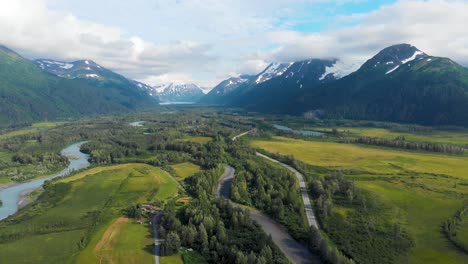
[(29, 92), (94, 74), (177, 92), (399, 84)]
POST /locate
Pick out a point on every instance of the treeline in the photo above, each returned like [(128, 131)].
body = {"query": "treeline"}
[(451, 226), (47, 158), (216, 229), (358, 228), (401, 143), (158, 150)]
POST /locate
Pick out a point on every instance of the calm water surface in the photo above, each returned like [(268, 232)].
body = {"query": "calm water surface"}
[(302, 132), (12, 195)]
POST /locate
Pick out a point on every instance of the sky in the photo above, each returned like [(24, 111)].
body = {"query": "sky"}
[(207, 41)]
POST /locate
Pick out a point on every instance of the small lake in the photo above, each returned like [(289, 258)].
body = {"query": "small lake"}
[(301, 132), (137, 124), (11, 196)]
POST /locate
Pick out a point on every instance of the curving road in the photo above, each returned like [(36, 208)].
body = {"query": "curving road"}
[(240, 135), (305, 195), (302, 184), (157, 243), (293, 250)]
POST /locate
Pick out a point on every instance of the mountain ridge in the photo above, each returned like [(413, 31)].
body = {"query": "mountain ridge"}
[(28, 93), (421, 89)]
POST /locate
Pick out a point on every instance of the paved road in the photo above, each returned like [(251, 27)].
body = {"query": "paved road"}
[(240, 135), (300, 178), (293, 250), (157, 243), (305, 195)]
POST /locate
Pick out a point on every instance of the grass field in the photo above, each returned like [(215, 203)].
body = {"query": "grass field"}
[(122, 243), (423, 189), (28, 130), (422, 213), (184, 170), (367, 158), (176, 259), (51, 229), (436, 136), (462, 232)]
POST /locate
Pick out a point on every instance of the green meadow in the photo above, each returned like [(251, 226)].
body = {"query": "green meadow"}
[(367, 158), (36, 127), (186, 169), (462, 232), (417, 190), (433, 136), (69, 221)]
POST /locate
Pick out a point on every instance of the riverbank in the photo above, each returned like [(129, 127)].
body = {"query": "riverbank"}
[(14, 195)]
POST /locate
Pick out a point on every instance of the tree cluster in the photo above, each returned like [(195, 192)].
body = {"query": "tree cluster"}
[(219, 231), (273, 190), (451, 226), (402, 143), (361, 233)]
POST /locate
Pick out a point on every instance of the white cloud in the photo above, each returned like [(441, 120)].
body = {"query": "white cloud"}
[(437, 27), (205, 41)]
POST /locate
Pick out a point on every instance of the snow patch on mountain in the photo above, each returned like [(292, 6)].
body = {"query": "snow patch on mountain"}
[(273, 70), (393, 69), (234, 81), (415, 55), (92, 75), (49, 63), (339, 69)]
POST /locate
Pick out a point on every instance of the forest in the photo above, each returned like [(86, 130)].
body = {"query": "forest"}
[(356, 225)]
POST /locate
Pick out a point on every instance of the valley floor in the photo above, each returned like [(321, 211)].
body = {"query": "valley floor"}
[(420, 190), (373, 203)]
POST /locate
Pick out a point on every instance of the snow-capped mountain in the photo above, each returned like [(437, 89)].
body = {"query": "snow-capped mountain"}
[(221, 92), (92, 73), (177, 92), (141, 85), (29, 93), (71, 70), (278, 81), (392, 58), (398, 84), (288, 80)]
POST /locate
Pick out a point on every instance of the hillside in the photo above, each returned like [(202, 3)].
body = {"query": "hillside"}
[(400, 84), (28, 93), (276, 84), (274, 93), (93, 74)]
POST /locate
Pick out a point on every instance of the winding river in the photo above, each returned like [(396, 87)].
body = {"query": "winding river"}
[(11, 195)]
